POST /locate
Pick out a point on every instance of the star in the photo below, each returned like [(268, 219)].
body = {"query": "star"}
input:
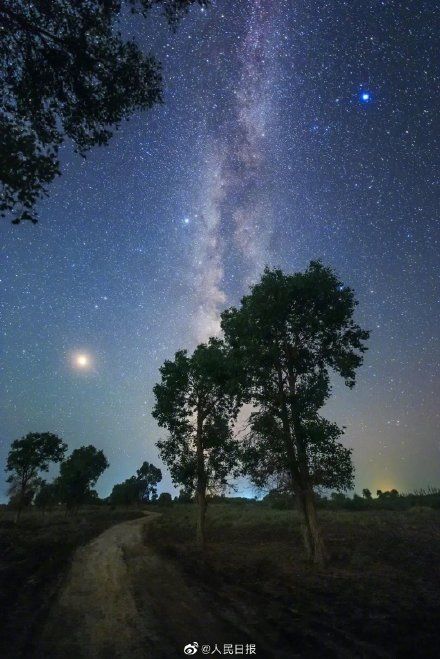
[(365, 96)]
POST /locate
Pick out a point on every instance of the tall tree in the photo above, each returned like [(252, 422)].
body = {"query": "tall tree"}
[(66, 72), (197, 404), (29, 456), (79, 473), (148, 476), (288, 335)]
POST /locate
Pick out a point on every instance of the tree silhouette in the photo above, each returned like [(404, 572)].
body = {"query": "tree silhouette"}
[(46, 495), (288, 334), (148, 476), (165, 499), (142, 487), (125, 493), (66, 72), (29, 456), (195, 401), (79, 473)]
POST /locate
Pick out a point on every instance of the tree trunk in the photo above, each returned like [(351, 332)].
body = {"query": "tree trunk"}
[(201, 482), (20, 501), (201, 498), (313, 541)]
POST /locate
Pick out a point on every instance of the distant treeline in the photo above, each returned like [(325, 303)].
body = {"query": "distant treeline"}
[(388, 500)]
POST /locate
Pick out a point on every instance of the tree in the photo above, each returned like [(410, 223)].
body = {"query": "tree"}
[(366, 493), (19, 499), (79, 473), (29, 456), (185, 495), (66, 72), (148, 476), (142, 487), (165, 499), (197, 403), (126, 493), (288, 335), (46, 496)]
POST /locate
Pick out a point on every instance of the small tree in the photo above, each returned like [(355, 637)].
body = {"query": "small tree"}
[(288, 334), (165, 499), (196, 402), (79, 473), (29, 456), (148, 476), (366, 493)]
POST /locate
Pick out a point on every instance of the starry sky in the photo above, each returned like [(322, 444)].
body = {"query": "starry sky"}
[(290, 131)]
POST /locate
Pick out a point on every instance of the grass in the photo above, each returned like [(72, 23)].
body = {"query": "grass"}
[(35, 554), (379, 596)]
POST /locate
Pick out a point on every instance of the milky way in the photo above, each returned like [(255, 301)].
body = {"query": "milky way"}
[(236, 214), (265, 151)]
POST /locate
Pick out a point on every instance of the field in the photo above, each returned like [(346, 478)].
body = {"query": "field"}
[(378, 597), (35, 555)]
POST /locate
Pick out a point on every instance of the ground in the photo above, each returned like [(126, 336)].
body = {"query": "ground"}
[(142, 589)]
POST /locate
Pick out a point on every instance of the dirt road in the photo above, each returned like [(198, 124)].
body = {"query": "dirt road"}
[(95, 614)]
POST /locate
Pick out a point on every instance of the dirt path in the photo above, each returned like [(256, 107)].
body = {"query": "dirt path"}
[(95, 614)]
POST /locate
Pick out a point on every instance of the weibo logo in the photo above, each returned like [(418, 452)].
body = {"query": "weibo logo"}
[(191, 648)]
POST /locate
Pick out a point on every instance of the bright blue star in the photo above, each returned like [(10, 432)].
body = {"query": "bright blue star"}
[(365, 96)]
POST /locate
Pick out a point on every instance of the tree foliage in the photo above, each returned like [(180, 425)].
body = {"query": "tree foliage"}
[(148, 476), (78, 475), (46, 496), (141, 487), (165, 499), (126, 493), (27, 457), (288, 335), (66, 72)]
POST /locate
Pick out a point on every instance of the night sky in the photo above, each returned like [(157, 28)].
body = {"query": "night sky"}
[(290, 131)]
